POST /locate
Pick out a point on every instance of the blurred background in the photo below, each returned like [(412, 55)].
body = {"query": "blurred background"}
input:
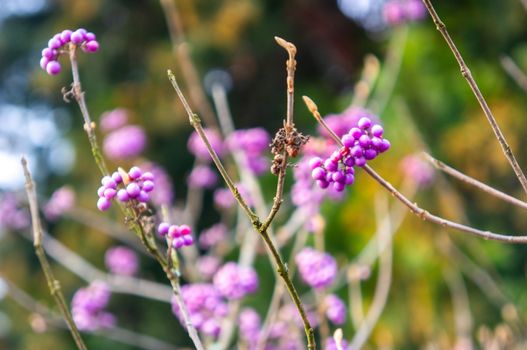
[(448, 290)]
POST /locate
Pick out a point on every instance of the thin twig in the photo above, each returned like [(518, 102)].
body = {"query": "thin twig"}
[(471, 181), (255, 220), (53, 283), (414, 208), (514, 71), (465, 72), (288, 126), (78, 94)]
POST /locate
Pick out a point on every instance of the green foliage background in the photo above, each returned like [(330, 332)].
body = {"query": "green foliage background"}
[(431, 107)]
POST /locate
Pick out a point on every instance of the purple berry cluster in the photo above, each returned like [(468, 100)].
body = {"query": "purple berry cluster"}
[(252, 144), (400, 11), (50, 55), (87, 307), (316, 268), (121, 260), (362, 143), (335, 309), (135, 187), (234, 281), (12, 217), (181, 235), (205, 305), (60, 202)]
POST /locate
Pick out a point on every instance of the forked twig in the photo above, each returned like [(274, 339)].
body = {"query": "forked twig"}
[(465, 72), (53, 283), (255, 220)]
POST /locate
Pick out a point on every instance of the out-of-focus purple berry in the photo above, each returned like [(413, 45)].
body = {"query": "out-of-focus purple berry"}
[(370, 154), (117, 177), (364, 123), (348, 140), (109, 193), (377, 130), (197, 147), (360, 161), (364, 141), (350, 179), (124, 143), (339, 186), (355, 132), (143, 197), (385, 145), (316, 268), (77, 37), (335, 309), (62, 200), (148, 186), (356, 151), (315, 162), (89, 36), (178, 242), (91, 46), (185, 230), (108, 182), (113, 119), (49, 53), (103, 204), (123, 195), (234, 281), (322, 184), (318, 173), (202, 176), (44, 62), (54, 43), (135, 173), (121, 260), (173, 231), (65, 36), (133, 190), (53, 68), (162, 229), (188, 240)]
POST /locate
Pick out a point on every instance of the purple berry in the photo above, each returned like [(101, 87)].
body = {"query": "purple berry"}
[(356, 151), (173, 231), (148, 186), (49, 53), (133, 190), (117, 177), (364, 123), (365, 141), (108, 182), (178, 242), (355, 133), (135, 173), (370, 154), (109, 193), (162, 229), (377, 130), (185, 230), (348, 140), (54, 43), (318, 173), (65, 36), (335, 156), (350, 179), (331, 165), (385, 145), (349, 161), (360, 161), (91, 46), (187, 240), (44, 62), (376, 142), (103, 204), (143, 197), (329, 177), (339, 176), (100, 191), (122, 195), (322, 184), (89, 36), (53, 68), (339, 186), (315, 162), (77, 37), (147, 176)]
